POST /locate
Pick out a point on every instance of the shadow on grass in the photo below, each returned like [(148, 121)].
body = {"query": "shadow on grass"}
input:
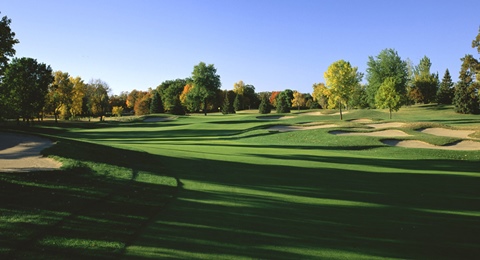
[(226, 209), (95, 208), (230, 210)]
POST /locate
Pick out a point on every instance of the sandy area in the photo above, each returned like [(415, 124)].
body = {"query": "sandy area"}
[(21, 153), (362, 120), (321, 114), (287, 128), (462, 145), (448, 132), (386, 125), (274, 117), (383, 133)]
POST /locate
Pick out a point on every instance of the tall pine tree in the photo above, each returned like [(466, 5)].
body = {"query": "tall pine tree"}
[(466, 95), (446, 90), (156, 105)]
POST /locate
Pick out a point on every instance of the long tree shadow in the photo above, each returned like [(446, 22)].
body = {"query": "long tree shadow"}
[(81, 212), (233, 209), (221, 209)]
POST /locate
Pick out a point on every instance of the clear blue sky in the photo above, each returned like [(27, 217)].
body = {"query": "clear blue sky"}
[(271, 44)]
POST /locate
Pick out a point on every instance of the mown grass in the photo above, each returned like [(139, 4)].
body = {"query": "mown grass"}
[(227, 187)]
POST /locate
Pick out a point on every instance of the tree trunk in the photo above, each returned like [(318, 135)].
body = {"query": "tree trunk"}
[(390, 113), (340, 105)]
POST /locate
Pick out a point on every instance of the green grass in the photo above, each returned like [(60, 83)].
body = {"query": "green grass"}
[(226, 187)]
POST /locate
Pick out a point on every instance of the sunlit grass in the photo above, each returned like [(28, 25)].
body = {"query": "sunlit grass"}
[(226, 187)]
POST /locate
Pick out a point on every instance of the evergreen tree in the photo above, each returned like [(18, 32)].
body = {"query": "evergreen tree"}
[(226, 104), (446, 90), (466, 96), (283, 103), (264, 107), (156, 105), (237, 103)]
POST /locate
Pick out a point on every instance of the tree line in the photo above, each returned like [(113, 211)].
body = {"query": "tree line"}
[(30, 89), (393, 82)]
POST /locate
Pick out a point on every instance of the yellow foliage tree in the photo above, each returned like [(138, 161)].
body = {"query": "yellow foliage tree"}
[(78, 92), (321, 95), (239, 88), (341, 79), (298, 100)]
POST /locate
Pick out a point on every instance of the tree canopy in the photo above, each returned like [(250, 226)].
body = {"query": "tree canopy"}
[(387, 96), (341, 78), (386, 64), (25, 86), (206, 83), (7, 41)]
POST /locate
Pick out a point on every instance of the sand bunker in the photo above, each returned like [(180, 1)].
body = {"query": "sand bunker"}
[(21, 153), (448, 132), (288, 128), (362, 120), (386, 125), (462, 145), (321, 114), (383, 133), (274, 117)]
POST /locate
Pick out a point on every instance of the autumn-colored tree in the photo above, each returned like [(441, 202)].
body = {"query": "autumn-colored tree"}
[(97, 98), (117, 111), (321, 94), (132, 98), (239, 87), (273, 98), (142, 104), (298, 100), (341, 78), (77, 94), (59, 97)]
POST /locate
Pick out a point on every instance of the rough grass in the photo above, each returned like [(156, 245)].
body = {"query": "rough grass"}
[(225, 187)]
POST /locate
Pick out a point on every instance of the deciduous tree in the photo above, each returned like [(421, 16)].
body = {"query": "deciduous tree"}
[(298, 100), (7, 41), (97, 98), (425, 84), (387, 96), (321, 94), (387, 64), (341, 78), (206, 82), (78, 92), (25, 86)]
